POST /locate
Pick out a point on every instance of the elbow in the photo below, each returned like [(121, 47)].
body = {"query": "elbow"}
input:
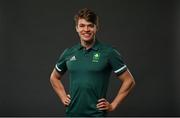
[(52, 79), (133, 83), (130, 82)]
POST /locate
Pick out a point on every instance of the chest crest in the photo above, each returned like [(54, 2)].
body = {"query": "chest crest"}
[(96, 57)]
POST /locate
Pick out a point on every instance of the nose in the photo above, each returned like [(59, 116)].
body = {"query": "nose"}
[(86, 28)]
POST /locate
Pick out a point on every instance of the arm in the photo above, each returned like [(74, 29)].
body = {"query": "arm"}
[(58, 87), (127, 85)]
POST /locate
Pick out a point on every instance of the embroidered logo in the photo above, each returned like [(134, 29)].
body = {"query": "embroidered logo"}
[(96, 57), (73, 58)]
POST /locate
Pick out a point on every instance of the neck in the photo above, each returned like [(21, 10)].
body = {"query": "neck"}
[(87, 44)]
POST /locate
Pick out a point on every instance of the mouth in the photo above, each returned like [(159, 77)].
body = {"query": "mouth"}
[(86, 35)]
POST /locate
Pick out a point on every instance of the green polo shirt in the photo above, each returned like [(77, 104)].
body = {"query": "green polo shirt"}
[(89, 73)]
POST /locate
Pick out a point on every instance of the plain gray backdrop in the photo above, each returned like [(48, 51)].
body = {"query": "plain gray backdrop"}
[(35, 32)]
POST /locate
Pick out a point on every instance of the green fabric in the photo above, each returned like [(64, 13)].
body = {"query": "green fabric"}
[(89, 73)]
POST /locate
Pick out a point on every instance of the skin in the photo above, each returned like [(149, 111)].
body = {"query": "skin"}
[(58, 87), (127, 85), (87, 31)]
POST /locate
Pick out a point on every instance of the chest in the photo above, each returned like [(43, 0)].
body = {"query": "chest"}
[(87, 61)]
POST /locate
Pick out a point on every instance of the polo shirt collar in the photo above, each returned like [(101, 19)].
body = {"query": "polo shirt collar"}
[(94, 47)]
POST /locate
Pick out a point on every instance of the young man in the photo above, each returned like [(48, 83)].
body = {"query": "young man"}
[(90, 64)]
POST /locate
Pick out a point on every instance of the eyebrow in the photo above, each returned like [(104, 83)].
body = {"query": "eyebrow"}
[(86, 24)]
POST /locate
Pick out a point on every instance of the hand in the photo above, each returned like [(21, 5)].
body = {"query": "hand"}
[(66, 100), (103, 104)]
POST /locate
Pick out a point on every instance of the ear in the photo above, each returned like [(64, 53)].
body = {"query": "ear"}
[(76, 28), (97, 28)]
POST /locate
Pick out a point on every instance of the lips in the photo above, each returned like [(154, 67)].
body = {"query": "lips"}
[(86, 35)]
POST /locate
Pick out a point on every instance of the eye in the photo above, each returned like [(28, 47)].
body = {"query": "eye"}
[(81, 25), (91, 25)]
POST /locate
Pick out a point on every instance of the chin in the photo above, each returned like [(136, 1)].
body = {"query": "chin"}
[(87, 39)]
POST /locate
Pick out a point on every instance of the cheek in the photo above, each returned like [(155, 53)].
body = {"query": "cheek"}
[(94, 31), (78, 30)]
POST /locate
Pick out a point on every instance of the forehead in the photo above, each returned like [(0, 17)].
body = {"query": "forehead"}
[(84, 21)]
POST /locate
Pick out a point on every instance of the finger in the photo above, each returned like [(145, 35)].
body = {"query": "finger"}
[(106, 108), (102, 100), (68, 100), (101, 104), (66, 103), (68, 96)]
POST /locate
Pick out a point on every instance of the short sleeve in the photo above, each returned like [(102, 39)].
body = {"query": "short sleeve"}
[(61, 63), (116, 62)]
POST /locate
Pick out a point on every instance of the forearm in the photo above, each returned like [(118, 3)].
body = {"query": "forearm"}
[(126, 87), (58, 87), (123, 92)]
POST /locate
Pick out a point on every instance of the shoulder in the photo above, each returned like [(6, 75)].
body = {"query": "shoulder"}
[(71, 49), (109, 48), (105, 46)]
